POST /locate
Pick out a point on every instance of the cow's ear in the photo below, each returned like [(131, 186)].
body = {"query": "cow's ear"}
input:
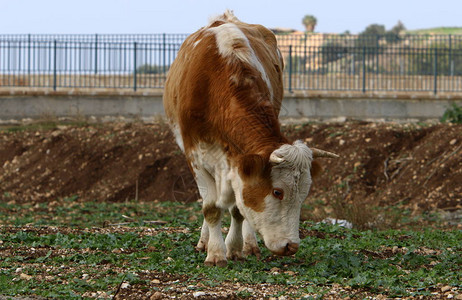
[(316, 169), (251, 165)]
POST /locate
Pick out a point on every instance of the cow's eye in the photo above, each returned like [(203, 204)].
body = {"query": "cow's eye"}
[(278, 193)]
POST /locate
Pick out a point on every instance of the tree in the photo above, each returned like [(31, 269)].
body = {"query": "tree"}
[(393, 35), (398, 28), (151, 69), (369, 39), (448, 60), (309, 22), (332, 51), (374, 29)]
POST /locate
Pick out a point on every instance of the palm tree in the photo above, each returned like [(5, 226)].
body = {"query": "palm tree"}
[(309, 22)]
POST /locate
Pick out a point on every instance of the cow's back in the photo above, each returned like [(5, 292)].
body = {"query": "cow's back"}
[(223, 61)]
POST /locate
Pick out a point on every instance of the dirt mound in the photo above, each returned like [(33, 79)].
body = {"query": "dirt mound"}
[(110, 162), (388, 164), (384, 164)]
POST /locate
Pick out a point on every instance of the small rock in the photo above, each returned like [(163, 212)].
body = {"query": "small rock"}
[(275, 270), (341, 223), (198, 294), (156, 296), (445, 288), (25, 276), (124, 285), (452, 142), (102, 294), (155, 281)]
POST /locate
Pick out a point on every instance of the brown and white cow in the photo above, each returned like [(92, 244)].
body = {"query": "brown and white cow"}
[(222, 99)]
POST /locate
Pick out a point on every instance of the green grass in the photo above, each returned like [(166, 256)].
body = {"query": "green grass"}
[(82, 254), (45, 124), (70, 212), (437, 30)]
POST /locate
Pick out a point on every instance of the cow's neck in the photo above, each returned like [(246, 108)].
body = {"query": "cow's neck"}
[(257, 131)]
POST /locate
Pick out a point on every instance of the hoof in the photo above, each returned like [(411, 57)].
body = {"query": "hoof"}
[(216, 262), (252, 250), (201, 246), (236, 257)]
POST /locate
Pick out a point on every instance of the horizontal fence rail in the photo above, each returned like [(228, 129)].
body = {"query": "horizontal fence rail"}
[(425, 63)]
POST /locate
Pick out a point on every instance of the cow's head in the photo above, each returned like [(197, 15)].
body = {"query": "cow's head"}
[(270, 192)]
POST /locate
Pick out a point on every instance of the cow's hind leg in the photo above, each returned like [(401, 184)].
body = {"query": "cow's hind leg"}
[(215, 247), (234, 241)]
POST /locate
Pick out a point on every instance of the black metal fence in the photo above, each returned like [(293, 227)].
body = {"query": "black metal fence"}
[(313, 61)]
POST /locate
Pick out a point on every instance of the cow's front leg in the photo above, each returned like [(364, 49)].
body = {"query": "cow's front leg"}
[(250, 240), (216, 246), (234, 241), (204, 239)]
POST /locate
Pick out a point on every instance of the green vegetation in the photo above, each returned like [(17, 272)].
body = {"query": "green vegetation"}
[(309, 22), (437, 30), (372, 34), (151, 69), (77, 250), (448, 59), (453, 114)]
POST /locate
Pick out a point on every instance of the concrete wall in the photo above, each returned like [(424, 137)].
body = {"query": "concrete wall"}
[(295, 105), (21, 107)]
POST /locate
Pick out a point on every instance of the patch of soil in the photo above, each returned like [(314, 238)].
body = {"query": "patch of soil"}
[(418, 167)]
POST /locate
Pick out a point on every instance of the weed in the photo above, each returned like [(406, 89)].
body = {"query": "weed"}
[(63, 261), (452, 114)]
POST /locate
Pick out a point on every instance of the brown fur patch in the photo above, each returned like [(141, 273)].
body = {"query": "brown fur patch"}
[(254, 194), (225, 101), (252, 165), (216, 24), (216, 100), (212, 214), (316, 168), (237, 214)]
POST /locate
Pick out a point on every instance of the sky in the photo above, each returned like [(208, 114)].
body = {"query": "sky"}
[(186, 16)]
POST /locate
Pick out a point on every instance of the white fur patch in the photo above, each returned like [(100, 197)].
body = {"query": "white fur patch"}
[(196, 43), (228, 36), (228, 16), (178, 137)]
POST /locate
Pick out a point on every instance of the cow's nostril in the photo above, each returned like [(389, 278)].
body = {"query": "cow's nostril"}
[(291, 248)]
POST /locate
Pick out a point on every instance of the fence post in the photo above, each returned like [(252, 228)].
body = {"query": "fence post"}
[(290, 69), (435, 71), (134, 66), (364, 69), (28, 53), (164, 53), (96, 53), (451, 61), (55, 59)]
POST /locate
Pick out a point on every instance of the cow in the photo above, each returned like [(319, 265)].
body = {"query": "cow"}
[(222, 99)]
